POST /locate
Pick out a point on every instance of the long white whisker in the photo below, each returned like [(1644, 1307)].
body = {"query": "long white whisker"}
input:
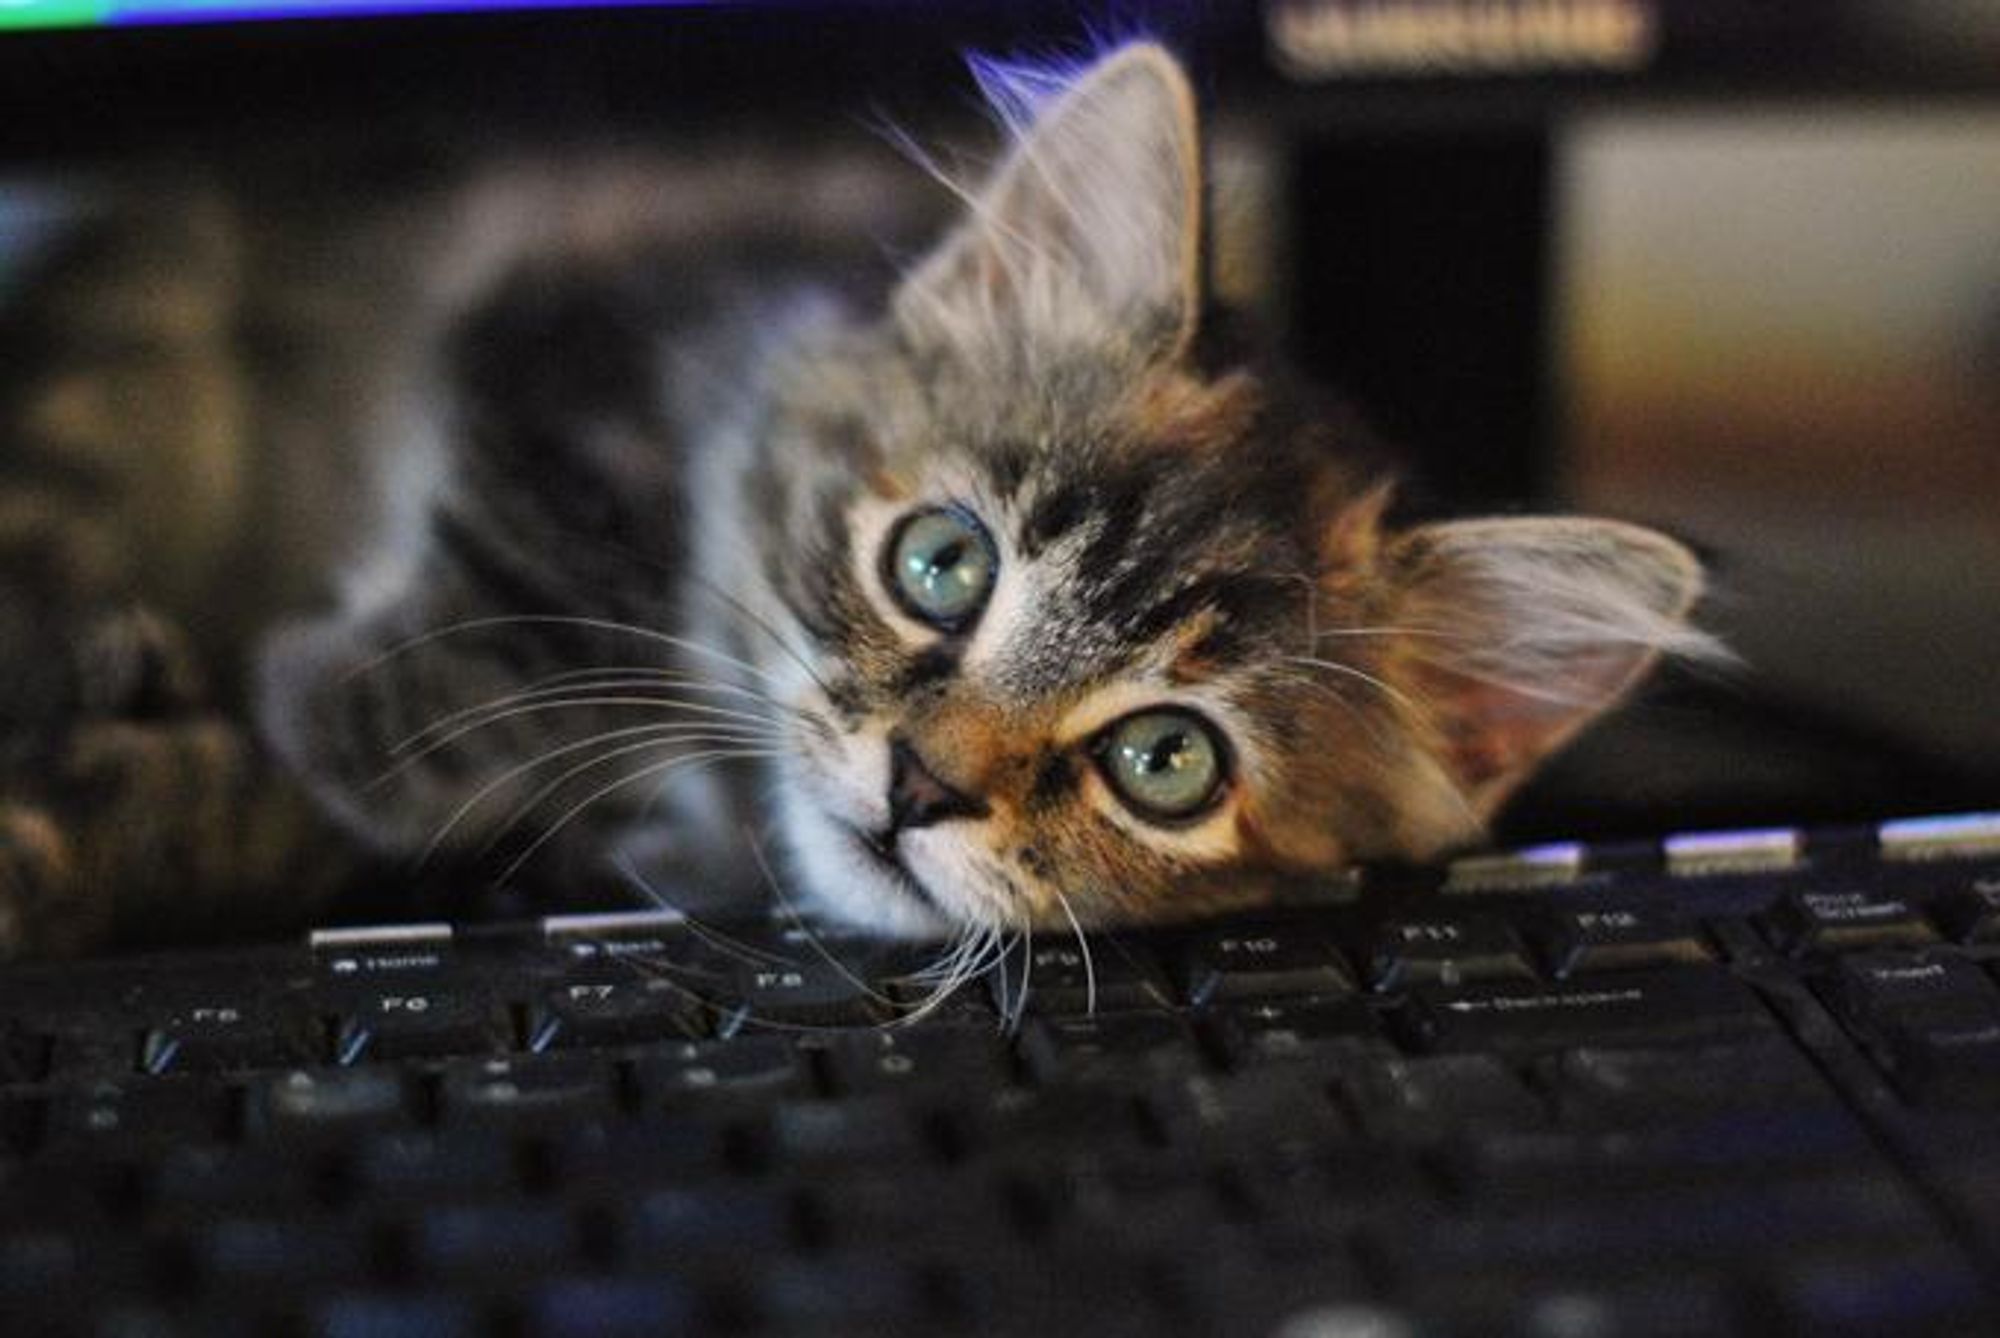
[(812, 939), (716, 717), (709, 934), (1388, 690), (761, 624), (643, 773), (584, 682), (656, 736), (1083, 945), (595, 624), (664, 740)]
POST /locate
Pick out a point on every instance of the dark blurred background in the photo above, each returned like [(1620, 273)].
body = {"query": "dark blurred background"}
[(1728, 268)]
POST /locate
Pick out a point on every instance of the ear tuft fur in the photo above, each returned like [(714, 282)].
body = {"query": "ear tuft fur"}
[(1089, 231), (1524, 631)]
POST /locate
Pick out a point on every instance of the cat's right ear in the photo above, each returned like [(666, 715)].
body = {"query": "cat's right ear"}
[(1519, 632), (1089, 230)]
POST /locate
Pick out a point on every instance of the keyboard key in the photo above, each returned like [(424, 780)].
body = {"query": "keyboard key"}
[(1618, 1085), (672, 1225), (393, 1315), (1256, 963), (1683, 1004), (325, 1105), (813, 1133), (270, 1251), (1743, 1146), (222, 1035), (857, 1293), (24, 1054), (1845, 919), (1971, 914), (1279, 1108), (431, 1021), (1107, 1048), (1294, 1029), (915, 1060), (516, 1237), (1114, 976), (199, 1181), (750, 1069), (40, 1260), (1879, 986), (964, 1216), (614, 1012), (1587, 941), (1952, 1061), (1533, 1304), (624, 1157), (610, 1308), (1429, 1097), (143, 1114), (1311, 1206), (1720, 1221), (1441, 951), (1043, 1123), (526, 1091), (425, 1165), (812, 995), (1853, 1293)]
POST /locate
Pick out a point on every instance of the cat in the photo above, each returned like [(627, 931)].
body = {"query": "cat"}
[(1018, 593)]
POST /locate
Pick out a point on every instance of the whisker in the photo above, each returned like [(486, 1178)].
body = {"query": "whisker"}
[(1388, 690), (715, 938), (588, 681), (666, 739), (652, 769), (1083, 946), (658, 735), (761, 624), (812, 939), (666, 705), (555, 619)]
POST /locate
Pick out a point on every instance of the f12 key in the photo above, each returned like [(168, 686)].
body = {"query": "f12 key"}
[(1588, 940)]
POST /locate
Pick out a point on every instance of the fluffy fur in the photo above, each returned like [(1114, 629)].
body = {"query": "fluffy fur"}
[(637, 603)]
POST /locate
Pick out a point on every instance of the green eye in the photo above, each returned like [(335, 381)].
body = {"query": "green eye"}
[(1163, 764), (940, 567)]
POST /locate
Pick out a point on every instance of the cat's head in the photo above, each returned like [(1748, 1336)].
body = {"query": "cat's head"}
[(1104, 631)]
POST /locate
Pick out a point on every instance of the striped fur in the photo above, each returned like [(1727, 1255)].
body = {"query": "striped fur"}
[(625, 592)]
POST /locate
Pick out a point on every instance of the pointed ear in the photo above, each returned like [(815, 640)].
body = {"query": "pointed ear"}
[(1521, 632), (1091, 227)]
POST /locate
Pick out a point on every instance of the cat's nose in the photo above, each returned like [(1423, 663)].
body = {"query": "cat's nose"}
[(917, 797)]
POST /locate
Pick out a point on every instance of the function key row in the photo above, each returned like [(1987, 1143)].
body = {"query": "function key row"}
[(1708, 854)]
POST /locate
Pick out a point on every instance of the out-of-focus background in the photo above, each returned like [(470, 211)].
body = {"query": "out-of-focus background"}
[(1728, 268)]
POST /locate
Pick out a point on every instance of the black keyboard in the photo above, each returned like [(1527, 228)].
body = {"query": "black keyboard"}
[(1745, 1083)]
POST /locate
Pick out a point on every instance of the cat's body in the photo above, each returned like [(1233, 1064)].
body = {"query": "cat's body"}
[(1002, 595)]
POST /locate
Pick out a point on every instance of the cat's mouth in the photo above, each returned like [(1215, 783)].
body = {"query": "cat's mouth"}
[(881, 851)]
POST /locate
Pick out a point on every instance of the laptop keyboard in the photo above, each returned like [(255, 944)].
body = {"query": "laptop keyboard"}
[(1738, 1083)]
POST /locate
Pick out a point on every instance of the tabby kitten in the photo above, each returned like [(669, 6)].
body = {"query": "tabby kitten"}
[(1013, 597)]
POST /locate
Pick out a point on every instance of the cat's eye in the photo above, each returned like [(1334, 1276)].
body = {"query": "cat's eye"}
[(1166, 765), (940, 567)]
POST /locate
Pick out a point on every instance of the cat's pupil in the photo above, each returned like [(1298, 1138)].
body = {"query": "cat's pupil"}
[(1164, 763), (1169, 753)]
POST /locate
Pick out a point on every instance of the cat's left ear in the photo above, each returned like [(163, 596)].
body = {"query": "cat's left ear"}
[(1090, 229), (1517, 633)]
